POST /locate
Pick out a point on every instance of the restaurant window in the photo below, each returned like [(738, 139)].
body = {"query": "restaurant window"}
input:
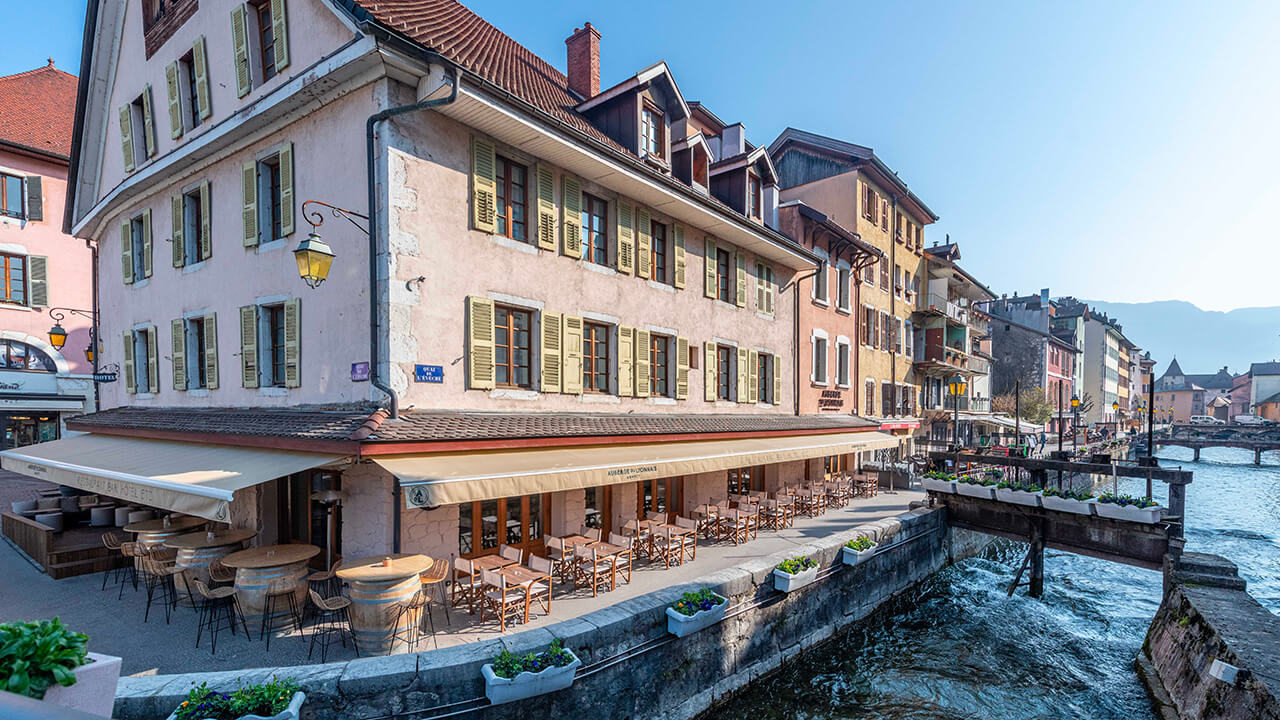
[(302, 519), (599, 509), (658, 245), (726, 356), (511, 347), (273, 324), (21, 356), (595, 239), (512, 181), (14, 279), (595, 357), (723, 263), (660, 495), (659, 353), (652, 137), (745, 480), (11, 196), (764, 371), (22, 430), (518, 521), (753, 195)]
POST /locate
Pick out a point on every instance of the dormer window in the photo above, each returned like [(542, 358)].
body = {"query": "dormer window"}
[(753, 195), (652, 132)]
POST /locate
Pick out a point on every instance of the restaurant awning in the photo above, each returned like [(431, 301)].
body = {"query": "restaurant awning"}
[(437, 479), (193, 478)]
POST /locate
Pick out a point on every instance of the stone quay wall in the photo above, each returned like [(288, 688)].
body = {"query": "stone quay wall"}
[(631, 666), (1207, 615)]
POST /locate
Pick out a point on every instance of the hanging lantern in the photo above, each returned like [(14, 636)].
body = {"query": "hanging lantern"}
[(314, 258), (57, 336)]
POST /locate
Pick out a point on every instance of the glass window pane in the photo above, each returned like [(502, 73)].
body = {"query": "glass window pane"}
[(464, 528), (594, 513), (535, 517), (13, 196), (488, 524), (514, 535)]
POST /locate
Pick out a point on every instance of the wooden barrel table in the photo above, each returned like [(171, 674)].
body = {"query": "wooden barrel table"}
[(261, 569), (196, 551), (153, 533), (377, 591)]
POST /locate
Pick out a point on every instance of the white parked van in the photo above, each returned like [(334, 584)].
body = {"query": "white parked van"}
[(1205, 420), (1250, 420)]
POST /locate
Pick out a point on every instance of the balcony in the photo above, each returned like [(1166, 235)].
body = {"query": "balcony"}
[(979, 324), (967, 404), (936, 358)]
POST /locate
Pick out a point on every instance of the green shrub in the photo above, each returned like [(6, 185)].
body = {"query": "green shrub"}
[(35, 656), (860, 544), (508, 665), (695, 602), (266, 699), (796, 565)]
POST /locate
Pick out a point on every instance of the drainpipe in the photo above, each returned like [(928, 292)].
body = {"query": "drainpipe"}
[(375, 364), (795, 308), (893, 294)]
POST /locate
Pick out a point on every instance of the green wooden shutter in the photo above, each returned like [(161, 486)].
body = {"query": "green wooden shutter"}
[(286, 190), (211, 351), (777, 381), (552, 358), (240, 43), (126, 250), (130, 376), (709, 265), (34, 187), (572, 335), (179, 226), (626, 361), (126, 137), (292, 342), (148, 122), (153, 360), (206, 220), (624, 239), (546, 207), (740, 291), (38, 276), (762, 304), (753, 376), (644, 243), (484, 188), (249, 210), (249, 346), (642, 367), (178, 353), (741, 372), (175, 104), (571, 216), (709, 372), (682, 368), (480, 375), (280, 33), (678, 232), (200, 59), (146, 243)]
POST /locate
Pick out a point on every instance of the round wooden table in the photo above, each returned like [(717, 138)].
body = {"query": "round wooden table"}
[(376, 593), (154, 532), (261, 569), (196, 551)]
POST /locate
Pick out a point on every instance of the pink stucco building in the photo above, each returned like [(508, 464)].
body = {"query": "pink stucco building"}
[(575, 310), (41, 267)]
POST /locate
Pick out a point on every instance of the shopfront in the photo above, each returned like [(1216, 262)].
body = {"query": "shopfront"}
[(38, 393)]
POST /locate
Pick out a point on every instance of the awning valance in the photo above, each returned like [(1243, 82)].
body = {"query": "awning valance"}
[(446, 478), (191, 478)]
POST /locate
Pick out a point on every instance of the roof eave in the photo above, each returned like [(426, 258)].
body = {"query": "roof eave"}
[(77, 131)]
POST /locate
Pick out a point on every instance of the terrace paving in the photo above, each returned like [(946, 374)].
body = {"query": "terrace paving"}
[(115, 627)]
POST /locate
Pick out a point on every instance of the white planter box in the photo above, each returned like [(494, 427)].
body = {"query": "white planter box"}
[(526, 685), (1147, 515), (682, 625), (857, 557), (936, 485), (986, 492), (1018, 497), (95, 689), (292, 712), (786, 582), (1068, 505)]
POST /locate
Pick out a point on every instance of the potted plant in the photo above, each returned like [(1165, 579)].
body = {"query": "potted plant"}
[(858, 550), (1018, 493), (517, 677), (47, 661), (1072, 501), (794, 573), (275, 700), (1124, 507), (939, 482), (976, 486), (694, 611)]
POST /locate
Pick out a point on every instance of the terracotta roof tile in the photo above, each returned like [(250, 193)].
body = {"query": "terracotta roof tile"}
[(38, 109)]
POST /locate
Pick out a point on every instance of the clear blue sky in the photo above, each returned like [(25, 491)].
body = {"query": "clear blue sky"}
[(1121, 151)]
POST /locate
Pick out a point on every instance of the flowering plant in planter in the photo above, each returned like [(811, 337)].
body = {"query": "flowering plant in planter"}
[(858, 550), (1019, 493), (979, 486), (860, 544), (1072, 501), (939, 481), (278, 698), (1124, 507), (692, 603), (516, 677), (508, 665), (794, 573), (794, 566), (695, 611), (35, 656)]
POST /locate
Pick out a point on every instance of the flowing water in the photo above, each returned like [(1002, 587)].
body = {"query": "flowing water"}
[(957, 647)]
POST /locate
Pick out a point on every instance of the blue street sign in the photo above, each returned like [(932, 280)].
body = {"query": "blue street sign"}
[(428, 373)]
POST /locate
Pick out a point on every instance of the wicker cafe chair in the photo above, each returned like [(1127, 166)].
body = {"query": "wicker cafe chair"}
[(434, 579), (133, 554), (328, 580), (591, 569), (503, 599), (220, 575), (116, 571), (158, 572), (331, 618), (408, 632), (217, 606)]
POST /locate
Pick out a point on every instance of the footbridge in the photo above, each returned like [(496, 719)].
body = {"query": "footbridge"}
[(1197, 437)]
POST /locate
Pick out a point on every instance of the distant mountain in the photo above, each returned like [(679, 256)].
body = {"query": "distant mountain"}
[(1202, 340)]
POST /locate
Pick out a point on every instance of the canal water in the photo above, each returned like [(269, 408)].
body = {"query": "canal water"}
[(958, 648)]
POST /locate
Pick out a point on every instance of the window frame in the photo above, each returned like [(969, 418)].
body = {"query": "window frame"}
[(595, 241), (5, 210), (764, 376), (30, 351), (724, 264), (653, 139), (821, 291), (137, 237), (273, 350), (192, 219), (819, 360), (270, 213), (504, 223), (7, 279), (755, 195), (190, 99), (194, 330), (726, 357), (265, 39), (659, 365), (843, 364), (142, 359), (844, 294), (591, 340), (658, 252), (138, 128), (508, 334)]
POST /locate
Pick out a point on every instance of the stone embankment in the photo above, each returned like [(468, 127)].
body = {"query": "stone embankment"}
[(631, 666), (1206, 619)]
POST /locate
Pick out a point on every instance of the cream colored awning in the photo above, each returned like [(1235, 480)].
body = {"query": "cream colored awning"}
[(447, 478), (192, 478)]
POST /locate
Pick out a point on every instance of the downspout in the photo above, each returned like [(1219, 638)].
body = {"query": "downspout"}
[(795, 329), (893, 308), (375, 363), (96, 340)]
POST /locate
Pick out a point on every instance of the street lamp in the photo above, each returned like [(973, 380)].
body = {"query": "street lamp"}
[(58, 334), (958, 387), (1115, 409), (313, 255), (1075, 421)]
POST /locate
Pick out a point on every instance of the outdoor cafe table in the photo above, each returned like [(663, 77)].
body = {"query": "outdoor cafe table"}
[(526, 577), (263, 568), (377, 592), (153, 534), (196, 551)]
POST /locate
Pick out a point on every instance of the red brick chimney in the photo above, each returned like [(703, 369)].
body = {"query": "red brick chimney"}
[(584, 61)]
